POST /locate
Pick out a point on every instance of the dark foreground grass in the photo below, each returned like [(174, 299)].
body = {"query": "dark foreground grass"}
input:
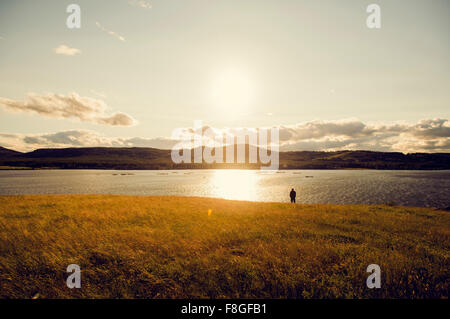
[(171, 247)]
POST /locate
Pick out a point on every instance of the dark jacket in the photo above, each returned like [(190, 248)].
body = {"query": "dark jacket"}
[(293, 194)]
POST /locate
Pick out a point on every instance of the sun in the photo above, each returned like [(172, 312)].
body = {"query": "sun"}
[(232, 91)]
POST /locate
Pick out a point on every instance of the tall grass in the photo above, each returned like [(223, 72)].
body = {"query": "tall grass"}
[(176, 247)]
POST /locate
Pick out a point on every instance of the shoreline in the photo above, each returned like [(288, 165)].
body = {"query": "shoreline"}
[(12, 168), (223, 199)]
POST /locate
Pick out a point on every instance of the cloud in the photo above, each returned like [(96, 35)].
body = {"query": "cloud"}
[(318, 129), (429, 135), (431, 129), (114, 34), (84, 109), (78, 138), (140, 3), (65, 50)]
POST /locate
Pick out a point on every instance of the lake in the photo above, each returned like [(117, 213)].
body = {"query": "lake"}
[(408, 188)]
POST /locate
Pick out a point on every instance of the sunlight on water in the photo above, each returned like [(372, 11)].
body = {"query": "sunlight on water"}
[(407, 188), (235, 184)]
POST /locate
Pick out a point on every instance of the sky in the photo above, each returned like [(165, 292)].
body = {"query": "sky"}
[(137, 70)]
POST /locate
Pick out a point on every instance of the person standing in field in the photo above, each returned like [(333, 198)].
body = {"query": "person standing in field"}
[(292, 194)]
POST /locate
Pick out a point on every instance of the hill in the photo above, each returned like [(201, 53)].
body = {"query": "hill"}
[(5, 153), (151, 158)]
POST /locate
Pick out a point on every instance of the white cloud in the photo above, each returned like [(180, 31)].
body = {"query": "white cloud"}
[(65, 50), (78, 138), (114, 34), (140, 3), (84, 109), (431, 135)]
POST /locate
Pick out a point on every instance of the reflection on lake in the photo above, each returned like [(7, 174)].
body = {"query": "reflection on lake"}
[(411, 188), (235, 184)]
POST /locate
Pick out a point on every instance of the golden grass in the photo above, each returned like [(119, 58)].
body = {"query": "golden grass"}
[(177, 247)]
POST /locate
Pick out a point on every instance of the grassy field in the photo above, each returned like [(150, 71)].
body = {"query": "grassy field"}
[(175, 247)]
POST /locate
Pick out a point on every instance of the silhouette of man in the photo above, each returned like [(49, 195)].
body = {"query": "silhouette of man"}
[(292, 194)]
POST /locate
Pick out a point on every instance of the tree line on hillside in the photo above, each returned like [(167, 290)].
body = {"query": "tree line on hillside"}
[(157, 159)]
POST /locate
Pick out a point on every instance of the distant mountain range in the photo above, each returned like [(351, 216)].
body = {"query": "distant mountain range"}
[(151, 158)]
